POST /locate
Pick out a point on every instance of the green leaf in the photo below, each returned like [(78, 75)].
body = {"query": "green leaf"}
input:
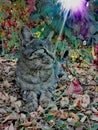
[(16, 56), (87, 60), (11, 43), (14, 35), (22, 3), (35, 16), (61, 125), (46, 31), (78, 124), (21, 128), (95, 127), (17, 44), (49, 118)]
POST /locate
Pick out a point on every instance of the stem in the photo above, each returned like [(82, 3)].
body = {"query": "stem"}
[(3, 47)]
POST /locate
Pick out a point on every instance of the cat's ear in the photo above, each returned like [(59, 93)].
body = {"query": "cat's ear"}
[(50, 36), (26, 35)]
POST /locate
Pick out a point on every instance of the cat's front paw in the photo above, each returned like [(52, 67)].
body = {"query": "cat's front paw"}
[(45, 99), (31, 101), (31, 106)]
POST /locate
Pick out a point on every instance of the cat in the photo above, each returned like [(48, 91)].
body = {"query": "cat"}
[(35, 71)]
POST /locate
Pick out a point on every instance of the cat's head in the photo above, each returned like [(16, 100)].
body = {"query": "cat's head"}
[(34, 48)]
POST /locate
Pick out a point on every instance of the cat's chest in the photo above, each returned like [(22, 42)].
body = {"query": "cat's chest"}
[(43, 74)]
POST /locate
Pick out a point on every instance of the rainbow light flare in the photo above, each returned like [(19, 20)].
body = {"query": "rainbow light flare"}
[(73, 5)]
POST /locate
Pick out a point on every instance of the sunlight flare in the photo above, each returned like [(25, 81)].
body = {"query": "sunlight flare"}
[(73, 5)]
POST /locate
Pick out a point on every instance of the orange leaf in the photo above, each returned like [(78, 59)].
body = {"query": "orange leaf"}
[(63, 115), (59, 85), (54, 112)]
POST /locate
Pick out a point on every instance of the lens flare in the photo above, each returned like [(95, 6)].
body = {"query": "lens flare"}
[(73, 5)]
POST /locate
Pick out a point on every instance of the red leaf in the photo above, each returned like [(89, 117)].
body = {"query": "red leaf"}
[(64, 67), (75, 87)]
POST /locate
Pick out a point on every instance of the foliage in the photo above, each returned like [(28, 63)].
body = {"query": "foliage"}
[(66, 112), (13, 14), (76, 29), (44, 16)]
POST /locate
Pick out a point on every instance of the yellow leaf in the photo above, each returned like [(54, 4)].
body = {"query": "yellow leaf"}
[(74, 116)]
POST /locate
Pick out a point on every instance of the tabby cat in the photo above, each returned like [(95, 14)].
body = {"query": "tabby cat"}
[(35, 73)]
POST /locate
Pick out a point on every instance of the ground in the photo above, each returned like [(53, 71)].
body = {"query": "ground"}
[(77, 110)]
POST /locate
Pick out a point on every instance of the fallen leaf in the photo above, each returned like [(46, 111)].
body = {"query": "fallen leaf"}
[(74, 116), (13, 116), (1, 126), (53, 106), (6, 128), (75, 87), (82, 101), (7, 70), (59, 85), (94, 117), (40, 110), (11, 127), (23, 116), (2, 111), (63, 115), (94, 110), (13, 99), (83, 118), (95, 100), (64, 101), (26, 124), (11, 73), (88, 112), (85, 100), (6, 83), (96, 89), (16, 105), (54, 112), (33, 114), (4, 97)]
